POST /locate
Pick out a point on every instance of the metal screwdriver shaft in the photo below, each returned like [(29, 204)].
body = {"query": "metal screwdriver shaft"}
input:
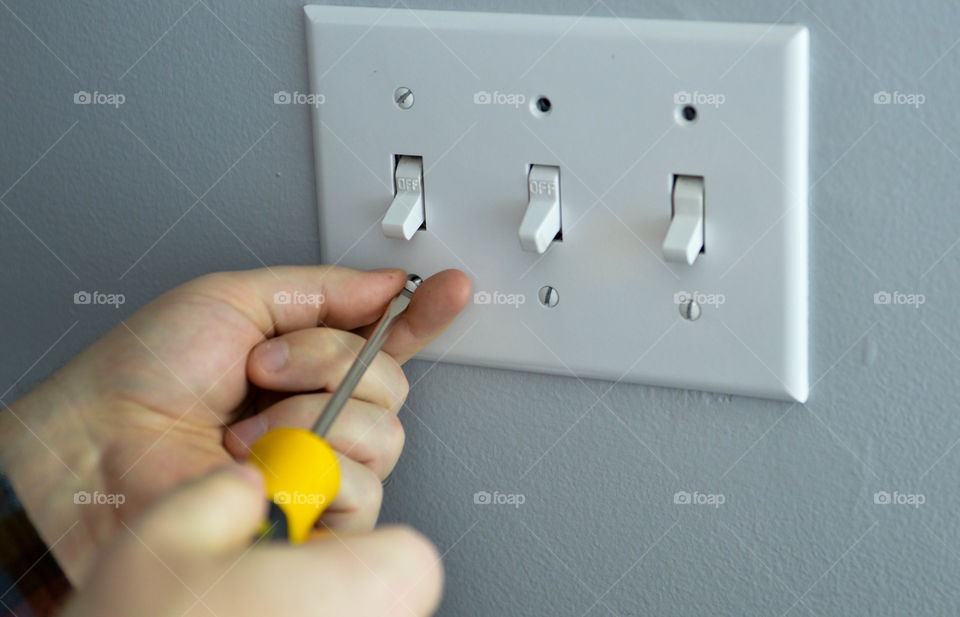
[(366, 356)]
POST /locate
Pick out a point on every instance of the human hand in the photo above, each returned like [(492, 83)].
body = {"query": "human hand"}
[(193, 378), (190, 555)]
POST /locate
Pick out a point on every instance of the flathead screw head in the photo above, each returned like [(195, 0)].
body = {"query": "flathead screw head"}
[(548, 296), (413, 281), (403, 97), (690, 310)]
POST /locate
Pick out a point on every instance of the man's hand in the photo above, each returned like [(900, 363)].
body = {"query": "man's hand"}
[(167, 395), (189, 555)]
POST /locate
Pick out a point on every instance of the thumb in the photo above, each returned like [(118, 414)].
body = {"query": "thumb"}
[(217, 512)]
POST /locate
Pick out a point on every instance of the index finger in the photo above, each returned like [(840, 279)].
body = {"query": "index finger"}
[(287, 298), (435, 304)]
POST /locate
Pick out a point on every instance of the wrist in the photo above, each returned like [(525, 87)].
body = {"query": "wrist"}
[(47, 454)]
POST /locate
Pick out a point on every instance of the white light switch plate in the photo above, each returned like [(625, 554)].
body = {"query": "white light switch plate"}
[(615, 128)]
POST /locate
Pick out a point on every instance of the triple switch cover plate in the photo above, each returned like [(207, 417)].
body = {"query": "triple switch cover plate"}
[(629, 112)]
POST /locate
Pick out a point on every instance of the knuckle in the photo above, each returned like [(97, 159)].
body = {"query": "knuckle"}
[(371, 495), (396, 437), (385, 452), (213, 280), (331, 348), (400, 387)]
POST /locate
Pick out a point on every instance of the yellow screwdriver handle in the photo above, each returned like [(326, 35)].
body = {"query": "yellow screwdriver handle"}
[(302, 478), (299, 468)]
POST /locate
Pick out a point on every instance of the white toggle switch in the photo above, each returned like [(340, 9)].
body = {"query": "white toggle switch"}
[(405, 214), (601, 270), (541, 223), (685, 236)]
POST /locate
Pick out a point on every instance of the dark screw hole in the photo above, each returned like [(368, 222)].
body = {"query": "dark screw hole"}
[(689, 113), (543, 104)]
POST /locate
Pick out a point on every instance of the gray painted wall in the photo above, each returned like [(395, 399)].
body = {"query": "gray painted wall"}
[(599, 533)]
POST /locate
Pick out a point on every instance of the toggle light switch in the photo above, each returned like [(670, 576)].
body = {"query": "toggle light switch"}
[(577, 115), (684, 239), (406, 213), (541, 222)]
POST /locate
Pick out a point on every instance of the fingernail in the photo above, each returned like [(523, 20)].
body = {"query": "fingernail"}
[(272, 355)]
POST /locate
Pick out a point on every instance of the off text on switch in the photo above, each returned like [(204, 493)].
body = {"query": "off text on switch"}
[(541, 222), (406, 212)]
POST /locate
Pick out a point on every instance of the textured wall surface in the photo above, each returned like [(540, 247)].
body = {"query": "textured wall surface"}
[(102, 198)]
